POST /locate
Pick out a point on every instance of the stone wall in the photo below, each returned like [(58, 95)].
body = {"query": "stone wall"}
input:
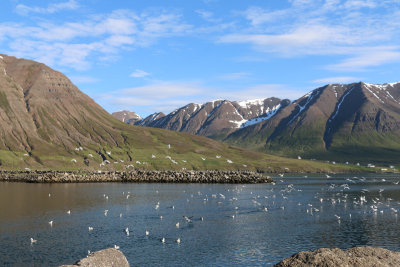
[(139, 176)]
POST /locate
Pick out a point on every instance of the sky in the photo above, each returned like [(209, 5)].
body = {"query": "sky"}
[(158, 55)]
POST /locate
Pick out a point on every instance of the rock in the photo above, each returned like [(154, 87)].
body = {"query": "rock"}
[(357, 256), (104, 258), (136, 175)]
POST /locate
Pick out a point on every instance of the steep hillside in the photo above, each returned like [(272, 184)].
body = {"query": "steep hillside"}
[(48, 123), (215, 119), (354, 122)]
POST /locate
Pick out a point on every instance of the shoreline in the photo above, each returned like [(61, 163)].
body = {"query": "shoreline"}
[(136, 176)]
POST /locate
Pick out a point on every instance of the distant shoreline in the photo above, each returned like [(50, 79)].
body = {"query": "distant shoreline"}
[(136, 176)]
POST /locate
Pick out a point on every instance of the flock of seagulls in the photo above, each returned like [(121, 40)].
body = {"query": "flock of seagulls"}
[(331, 198), (106, 162)]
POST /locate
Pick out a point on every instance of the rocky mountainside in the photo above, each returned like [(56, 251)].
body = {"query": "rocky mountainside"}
[(127, 116), (358, 121), (215, 119), (48, 123)]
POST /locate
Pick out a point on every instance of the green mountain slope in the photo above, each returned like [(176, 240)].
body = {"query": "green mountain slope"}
[(357, 122), (48, 123)]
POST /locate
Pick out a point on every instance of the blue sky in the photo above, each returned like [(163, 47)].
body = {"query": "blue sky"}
[(149, 56)]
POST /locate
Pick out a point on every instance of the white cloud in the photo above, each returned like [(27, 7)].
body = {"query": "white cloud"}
[(52, 8), (164, 90), (370, 57), (139, 73), (73, 44), (340, 79), (165, 96), (258, 16), (207, 15), (324, 28), (234, 76)]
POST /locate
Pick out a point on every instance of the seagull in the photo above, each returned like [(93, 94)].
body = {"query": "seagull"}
[(69, 212), (127, 196), (187, 218), (337, 217), (105, 212), (147, 233), (178, 241), (90, 228), (51, 223), (127, 231), (177, 225), (163, 240), (33, 240), (116, 247)]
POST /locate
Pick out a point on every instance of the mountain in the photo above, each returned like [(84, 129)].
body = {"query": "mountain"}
[(127, 116), (48, 123), (353, 122), (215, 119)]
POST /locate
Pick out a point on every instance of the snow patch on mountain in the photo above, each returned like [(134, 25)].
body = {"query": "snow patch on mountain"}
[(370, 87), (309, 96), (269, 114), (248, 103), (340, 103)]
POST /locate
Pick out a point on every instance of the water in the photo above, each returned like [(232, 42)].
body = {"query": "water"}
[(243, 224)]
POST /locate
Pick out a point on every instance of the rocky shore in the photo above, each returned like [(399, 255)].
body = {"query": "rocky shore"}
[(137, 176), (357, 256), (110, 257)]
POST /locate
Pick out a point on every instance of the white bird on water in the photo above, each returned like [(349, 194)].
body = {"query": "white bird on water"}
[(178, 241), (51, 223), (177, 225), (69, 212), (163, 240), (127, 231), (116, 247), (33, 240), (105, 212), (90, 228), (147, 233)]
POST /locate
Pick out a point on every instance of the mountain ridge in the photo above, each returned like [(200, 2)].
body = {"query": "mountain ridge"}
[(333, 119), (216, 118), (48, 123)]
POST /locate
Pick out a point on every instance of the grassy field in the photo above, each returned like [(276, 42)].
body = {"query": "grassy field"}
[(177, 155)]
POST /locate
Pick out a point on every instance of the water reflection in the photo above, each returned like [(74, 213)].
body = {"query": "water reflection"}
[(242, 224)]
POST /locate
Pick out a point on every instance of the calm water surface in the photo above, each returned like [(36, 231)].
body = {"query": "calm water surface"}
[(244, 225)]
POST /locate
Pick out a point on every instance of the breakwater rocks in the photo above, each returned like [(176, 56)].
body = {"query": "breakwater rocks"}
[(110, 257), (357, 256), (138, 176)]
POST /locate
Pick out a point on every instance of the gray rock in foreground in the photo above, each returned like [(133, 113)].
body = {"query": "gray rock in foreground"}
[(110, 257), (357, 256)]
